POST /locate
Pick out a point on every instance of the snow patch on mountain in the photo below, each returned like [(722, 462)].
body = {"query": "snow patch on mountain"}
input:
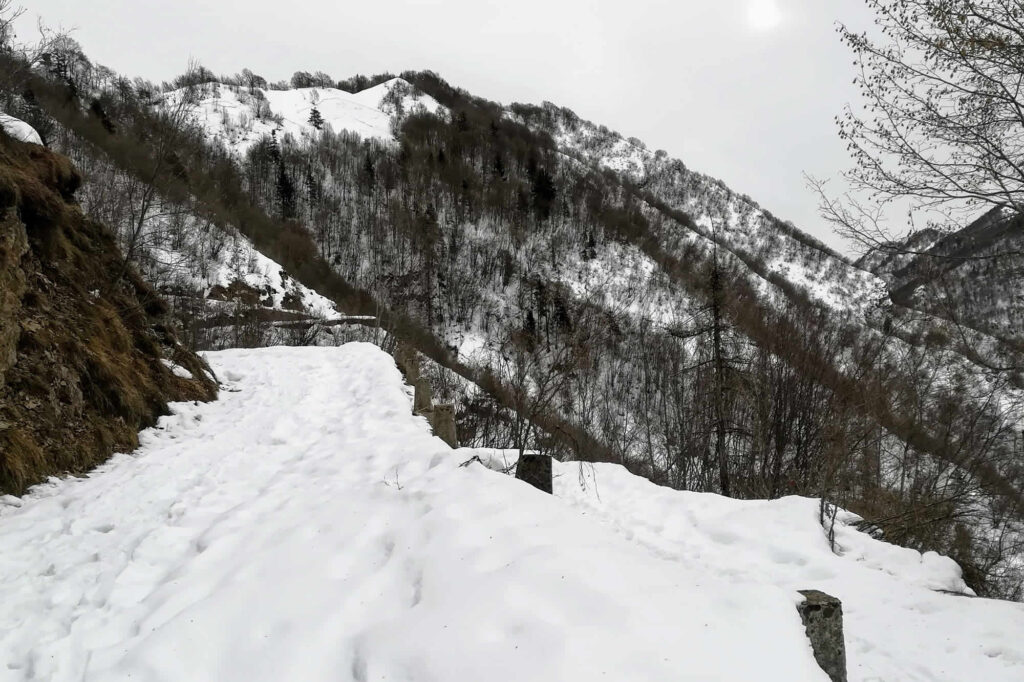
[(739, 222), (239, 117), (280, 291), (181, 252), (621, 278)]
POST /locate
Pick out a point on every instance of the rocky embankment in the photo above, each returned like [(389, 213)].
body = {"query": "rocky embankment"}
[(87, 355)]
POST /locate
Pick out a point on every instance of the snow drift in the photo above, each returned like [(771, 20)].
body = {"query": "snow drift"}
[(19, 130), (307, 527)]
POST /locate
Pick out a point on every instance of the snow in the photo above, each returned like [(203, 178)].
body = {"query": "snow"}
[(898, 626), (19, 130), (384, 96), (220, 257), (744, 226), (239, 261), (337, 107), (306, 526), (176, 369), (240, 118)]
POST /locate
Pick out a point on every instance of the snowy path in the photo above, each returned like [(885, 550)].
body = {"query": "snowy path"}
[(306, 527)]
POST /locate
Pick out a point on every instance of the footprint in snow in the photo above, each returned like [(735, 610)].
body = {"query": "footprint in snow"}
[(723, 537)]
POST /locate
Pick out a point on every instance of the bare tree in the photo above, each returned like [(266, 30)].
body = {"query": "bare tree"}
[(18, 58), (252, 80), (9, 13), (943, 119), (144, 202)]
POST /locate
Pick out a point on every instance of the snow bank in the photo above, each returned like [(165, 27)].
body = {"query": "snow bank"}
[(898, 625), (19, 130), (307, 527)]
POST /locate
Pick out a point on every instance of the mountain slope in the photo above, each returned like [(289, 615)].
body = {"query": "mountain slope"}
[(587, 314), (307, 526), (971, 276), (736, 221)]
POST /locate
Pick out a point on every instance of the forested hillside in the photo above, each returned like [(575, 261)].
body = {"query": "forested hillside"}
[(969, 276), (575, 292)]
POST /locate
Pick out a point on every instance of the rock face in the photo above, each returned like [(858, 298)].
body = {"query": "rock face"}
[(13, 245), (535, 470), (822, 616), (81, 336)]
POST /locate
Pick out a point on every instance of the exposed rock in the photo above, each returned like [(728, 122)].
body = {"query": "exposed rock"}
[(237, 292), (293, 301), (822, 616), (13, 245), (535, 470), (81, 336)]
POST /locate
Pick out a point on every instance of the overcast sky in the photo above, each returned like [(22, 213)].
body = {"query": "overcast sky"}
[(744, 90)]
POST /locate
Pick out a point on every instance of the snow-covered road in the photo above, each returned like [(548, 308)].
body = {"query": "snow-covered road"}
[(307, 527)]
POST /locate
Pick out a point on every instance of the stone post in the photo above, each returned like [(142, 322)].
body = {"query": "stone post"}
[(408, 362), (442, 420), (422, 401), (822, 616), (535, 470)]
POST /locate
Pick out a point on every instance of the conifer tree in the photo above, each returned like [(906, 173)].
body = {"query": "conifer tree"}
[(315, 119), (285, 192)]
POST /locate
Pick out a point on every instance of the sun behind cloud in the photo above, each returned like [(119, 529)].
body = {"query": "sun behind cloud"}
[(763, 15)]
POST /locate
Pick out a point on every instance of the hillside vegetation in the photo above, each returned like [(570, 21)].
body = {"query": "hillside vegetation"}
[(88, 354)]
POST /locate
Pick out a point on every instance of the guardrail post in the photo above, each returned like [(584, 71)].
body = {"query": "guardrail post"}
[(442, 420), (822, 616), (535, 470)]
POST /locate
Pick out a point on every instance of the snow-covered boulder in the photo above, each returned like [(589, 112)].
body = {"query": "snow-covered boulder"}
[(19, 130)]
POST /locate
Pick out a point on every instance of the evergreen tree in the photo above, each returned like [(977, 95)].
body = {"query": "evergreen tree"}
[(543, 193), (367, 175), (285, 192), (315, 119)]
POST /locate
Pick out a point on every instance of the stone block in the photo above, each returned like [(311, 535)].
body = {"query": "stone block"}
[(535, 470), (822, 616)]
